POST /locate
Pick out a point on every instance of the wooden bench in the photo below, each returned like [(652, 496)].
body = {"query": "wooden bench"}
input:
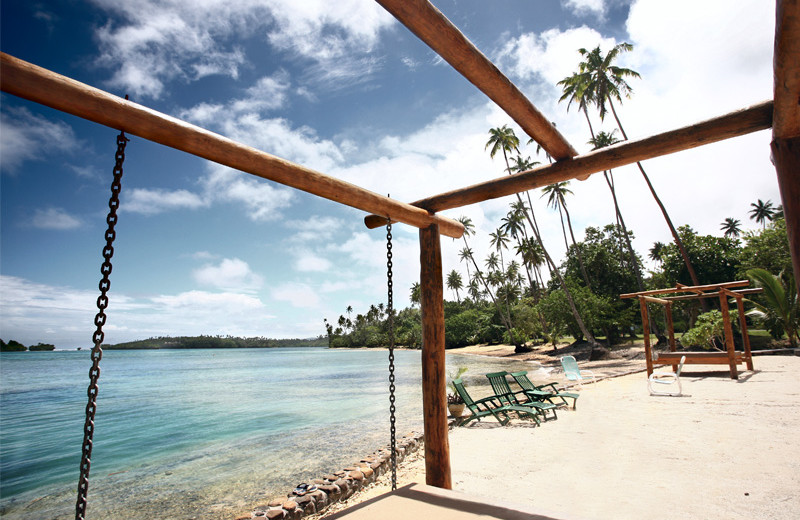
[(699, 358)]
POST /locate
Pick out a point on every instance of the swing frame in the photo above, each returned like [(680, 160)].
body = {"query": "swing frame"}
[(782, 114)]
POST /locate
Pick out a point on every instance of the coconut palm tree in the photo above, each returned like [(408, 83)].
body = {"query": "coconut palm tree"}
[(504, 139), (731, 227), (454, 283), (599, 81), (779, 303), (555, 198), (657, 251), (761, 212), (415, 294)]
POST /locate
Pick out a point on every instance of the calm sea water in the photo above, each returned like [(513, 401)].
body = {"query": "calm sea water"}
[(196, 433)]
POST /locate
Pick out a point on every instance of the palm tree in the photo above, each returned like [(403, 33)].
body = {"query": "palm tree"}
[(504, 139), (601, 140), (555, 193), (469, 230), (780, 303), (454, 283), (415, 294), (599, 81), (499, 240), (657, 251), (761, 212), (731, 227)]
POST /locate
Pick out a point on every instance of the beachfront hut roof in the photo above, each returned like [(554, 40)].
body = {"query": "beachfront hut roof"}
[(429, 24)]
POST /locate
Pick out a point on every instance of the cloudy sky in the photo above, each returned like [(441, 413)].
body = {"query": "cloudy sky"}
[(345, 89)]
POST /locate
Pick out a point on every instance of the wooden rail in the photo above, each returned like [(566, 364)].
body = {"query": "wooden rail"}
[(42, 86), (433, 28)]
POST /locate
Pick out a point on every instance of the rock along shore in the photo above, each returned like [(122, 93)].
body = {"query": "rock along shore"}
[(338, 486)]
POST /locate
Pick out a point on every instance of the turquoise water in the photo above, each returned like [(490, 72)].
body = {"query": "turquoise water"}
[(195, 433)]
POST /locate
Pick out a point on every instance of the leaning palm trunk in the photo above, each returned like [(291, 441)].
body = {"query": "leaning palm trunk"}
[(675, 236), (577, 249)]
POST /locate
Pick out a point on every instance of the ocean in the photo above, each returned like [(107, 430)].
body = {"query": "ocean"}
[(198, 434)]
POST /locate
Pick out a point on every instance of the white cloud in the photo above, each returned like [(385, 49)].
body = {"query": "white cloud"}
[(263, 200), (153, 42), (307, 261), (29, 137), (54, 218), (231, 274), (587, 7), (154, 201), (298, 294), (34, 312)]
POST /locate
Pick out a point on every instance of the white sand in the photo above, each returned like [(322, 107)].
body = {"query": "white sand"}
[(726, 449)]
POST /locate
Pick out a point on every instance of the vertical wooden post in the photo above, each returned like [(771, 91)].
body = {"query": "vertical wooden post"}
[(786, 156), (671, 331), (646, 333), (748, 356), (434, 385), (726, 319)]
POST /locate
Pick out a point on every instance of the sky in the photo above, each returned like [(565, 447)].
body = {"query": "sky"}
[(345, 89)]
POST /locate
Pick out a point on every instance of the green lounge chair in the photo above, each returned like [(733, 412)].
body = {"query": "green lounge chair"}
[(540, 393), (505, 395), (489, 406)]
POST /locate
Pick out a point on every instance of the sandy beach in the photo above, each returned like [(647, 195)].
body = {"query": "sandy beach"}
[(725, 449)]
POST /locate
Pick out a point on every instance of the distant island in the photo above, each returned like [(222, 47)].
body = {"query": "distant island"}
[(16, 346), (167, 342)]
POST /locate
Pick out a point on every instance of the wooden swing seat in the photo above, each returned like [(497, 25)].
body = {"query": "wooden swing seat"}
[(423, 501), (699, 358)]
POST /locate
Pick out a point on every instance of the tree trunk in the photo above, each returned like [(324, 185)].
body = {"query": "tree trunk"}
[(577, 249), (672, 230)]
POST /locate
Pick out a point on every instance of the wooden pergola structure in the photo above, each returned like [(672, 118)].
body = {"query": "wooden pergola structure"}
[(782, 114), (723, 291)]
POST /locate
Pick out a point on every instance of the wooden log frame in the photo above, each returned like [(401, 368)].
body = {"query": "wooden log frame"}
[(723, 291), (434, 385), (786, 128), (740, 122), (433, 28), (73, 97)]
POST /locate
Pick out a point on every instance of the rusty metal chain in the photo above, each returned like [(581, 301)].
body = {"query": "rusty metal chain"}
[(390, 310), (98, 336)]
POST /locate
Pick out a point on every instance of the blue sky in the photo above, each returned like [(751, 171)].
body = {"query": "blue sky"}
[(345, 89)]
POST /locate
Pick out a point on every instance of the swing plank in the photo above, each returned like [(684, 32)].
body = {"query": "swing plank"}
[(419, 501)]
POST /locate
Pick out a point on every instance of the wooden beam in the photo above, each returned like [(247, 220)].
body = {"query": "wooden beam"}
[(786, 129), (434, 384), (740, 122), (651, 299), (748, 355), (688, 288), (42, 86), (740, 292), (433, 28)]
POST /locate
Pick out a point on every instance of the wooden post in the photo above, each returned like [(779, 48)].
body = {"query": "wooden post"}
[(671, 331), (646, 333), (434, 385), (786, 120), (726, 319), (748, 356)]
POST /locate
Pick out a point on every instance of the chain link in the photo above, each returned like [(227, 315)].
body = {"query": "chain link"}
[(390, 310), (98, 336)]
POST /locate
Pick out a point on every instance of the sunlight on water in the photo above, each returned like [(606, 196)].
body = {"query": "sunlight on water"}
[(197, 433)]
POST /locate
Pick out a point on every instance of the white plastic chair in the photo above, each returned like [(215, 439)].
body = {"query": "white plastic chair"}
[(573, 373), (666, 380)]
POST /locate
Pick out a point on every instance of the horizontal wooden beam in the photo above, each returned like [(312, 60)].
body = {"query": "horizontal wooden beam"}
[(740, 122), (688, 288), (739, 292), (651, 299), (42, 86), (433, 28)]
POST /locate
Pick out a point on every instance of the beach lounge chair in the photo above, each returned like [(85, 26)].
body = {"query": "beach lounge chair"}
[(547, 392), (665, 380), (505, 395), (573, 373), (489, 406)]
